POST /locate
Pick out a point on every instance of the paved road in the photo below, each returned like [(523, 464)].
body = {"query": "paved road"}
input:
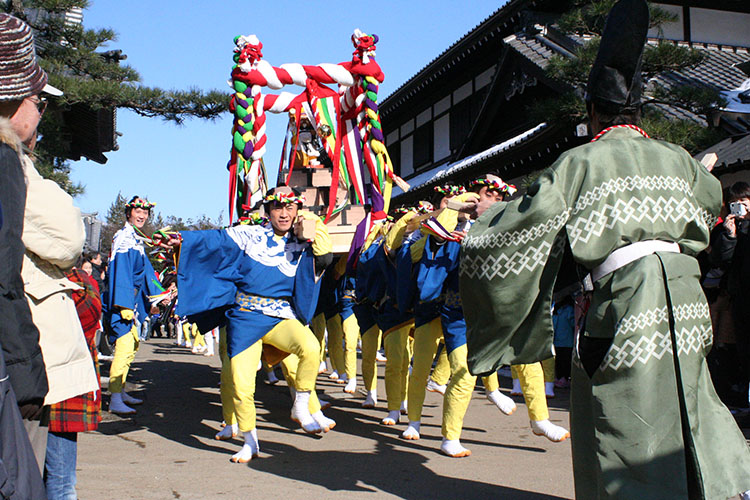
[(167, 451)]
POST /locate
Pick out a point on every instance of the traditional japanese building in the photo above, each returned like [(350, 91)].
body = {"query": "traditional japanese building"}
[(466, 113)]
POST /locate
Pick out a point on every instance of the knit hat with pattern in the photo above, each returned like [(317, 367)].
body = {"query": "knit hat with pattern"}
[(20, 73)]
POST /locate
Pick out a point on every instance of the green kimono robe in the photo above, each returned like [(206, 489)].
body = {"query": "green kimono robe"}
[(644, 425)]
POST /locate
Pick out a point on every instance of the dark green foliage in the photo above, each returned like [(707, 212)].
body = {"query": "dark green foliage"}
[(586, 19), (76, 63)]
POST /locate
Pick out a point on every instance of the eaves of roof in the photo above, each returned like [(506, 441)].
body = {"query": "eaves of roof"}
[(733, 152), (444, 172), (489, 27)]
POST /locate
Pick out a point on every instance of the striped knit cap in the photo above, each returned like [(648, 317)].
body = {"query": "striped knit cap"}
[(20, 73)]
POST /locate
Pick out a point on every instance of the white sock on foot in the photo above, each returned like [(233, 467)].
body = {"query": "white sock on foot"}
[(453, 448), (433, 386), (334, 375), (503, 402), (351, 385), (404, 406), (228, 432), (322, 368), (553, 432), (412, 431), (324, 422), (392, 418), (301, 413), (371, 400), (249, 450)]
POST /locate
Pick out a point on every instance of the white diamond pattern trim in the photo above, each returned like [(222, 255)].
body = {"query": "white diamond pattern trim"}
[(637, 210), (631, 183), (643, 349), (524, 260), (517, 238)]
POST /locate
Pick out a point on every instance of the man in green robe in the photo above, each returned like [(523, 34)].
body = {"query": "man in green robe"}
[(634, 211)]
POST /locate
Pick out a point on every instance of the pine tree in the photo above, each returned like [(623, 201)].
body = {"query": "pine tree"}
[(586, 21), (76, 64)]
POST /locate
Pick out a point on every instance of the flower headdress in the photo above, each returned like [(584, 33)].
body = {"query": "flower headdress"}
[(496, 183), (450, 190), (424, 207), (140, 203), (284, 198)]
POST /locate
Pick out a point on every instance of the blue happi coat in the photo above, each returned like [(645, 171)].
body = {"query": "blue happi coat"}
[(260, 278), (131, 281)]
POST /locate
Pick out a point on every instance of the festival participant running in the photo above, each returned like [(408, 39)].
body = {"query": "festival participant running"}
[(131, 282), (270, 278), (645, 419)]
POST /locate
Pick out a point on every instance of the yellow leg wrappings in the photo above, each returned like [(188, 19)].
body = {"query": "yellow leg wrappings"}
[(289, 367), (458, 394), (125, 349), (370, 345), (351, 335), (227, 385), (318, 327), (397, 366), (336, 343), (442, 372), (426, 340), (531, 378), (186, 331), (243, 368), (295, 338), (491, 383)]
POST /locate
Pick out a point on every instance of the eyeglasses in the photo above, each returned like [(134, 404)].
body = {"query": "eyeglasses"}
[(40, 102)]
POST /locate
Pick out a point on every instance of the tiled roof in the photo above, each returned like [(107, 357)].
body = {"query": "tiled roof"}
[(732, 151), (435, 175), (718, 70)]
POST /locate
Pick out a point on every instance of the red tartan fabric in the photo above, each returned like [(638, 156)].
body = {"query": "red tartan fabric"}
[(82, 413)]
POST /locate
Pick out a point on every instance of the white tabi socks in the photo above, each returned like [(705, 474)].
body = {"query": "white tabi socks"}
[(404, 406), (324, 422), (371, 400), (351, 385), (553, 432), (433, 386), (392, 418), (503, 402), (228, 432), (322, 368), (116, 405), (412, 431), (453, 448), (334, 375), (249, 450), (301, 413)]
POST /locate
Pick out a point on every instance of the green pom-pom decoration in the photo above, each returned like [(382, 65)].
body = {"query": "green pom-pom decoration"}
[(240, 86), (239, 144), (241, 112)]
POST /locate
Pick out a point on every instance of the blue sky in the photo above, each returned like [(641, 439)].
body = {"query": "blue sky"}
[(177, 45)]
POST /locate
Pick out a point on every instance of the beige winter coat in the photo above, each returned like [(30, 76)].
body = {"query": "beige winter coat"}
[(54, 235)]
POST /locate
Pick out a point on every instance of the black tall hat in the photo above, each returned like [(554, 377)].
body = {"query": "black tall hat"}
[(614, 84)]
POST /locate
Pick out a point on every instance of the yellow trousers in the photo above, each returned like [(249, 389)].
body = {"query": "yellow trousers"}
[(318, 327), (397, 345), (370, 345), (427, 337), (289, 368), (442, 371), (531, 377), (457, 394), (125, 349), (336, 343), (426, 340), (350, 328), (187, 329), (290, 336), (226, 390)]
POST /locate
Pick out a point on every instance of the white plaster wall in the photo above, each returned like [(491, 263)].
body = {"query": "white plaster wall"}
[(441, 138), (720, 27)]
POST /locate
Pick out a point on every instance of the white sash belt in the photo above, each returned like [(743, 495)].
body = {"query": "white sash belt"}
[(629, 253)]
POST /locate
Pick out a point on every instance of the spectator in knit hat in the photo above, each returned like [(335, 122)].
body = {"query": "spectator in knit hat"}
[(22, 82)]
